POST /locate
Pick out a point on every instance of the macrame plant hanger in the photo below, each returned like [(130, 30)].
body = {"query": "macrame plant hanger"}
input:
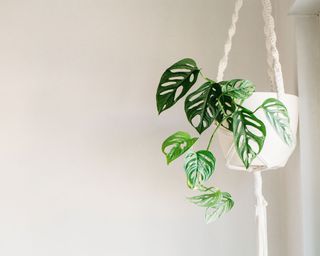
[(276, 82)]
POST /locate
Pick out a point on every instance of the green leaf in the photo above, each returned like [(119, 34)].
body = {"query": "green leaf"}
[(200, 106), (277, 114), (177, 144), (216, 204), (207, 200), (238, 88), (249, 134), (199, 167), (223, 206), (175, 82)]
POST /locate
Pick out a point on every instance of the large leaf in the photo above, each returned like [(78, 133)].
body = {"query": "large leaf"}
[(238, 88), (216, 204), (200, 106), (277, 114), (175, 145), (175, 82), (249, 134), (199, 167)]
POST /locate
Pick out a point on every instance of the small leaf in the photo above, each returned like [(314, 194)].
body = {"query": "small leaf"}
[(177, 144), (199, 167), (277, 114), (223, 206), (216, 204), (238, 88), (249, 134), (175, 82), (200, 106)]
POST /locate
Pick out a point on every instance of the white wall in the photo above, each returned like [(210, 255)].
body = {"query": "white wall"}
[(80, 161), (291, 175), (308, 49)]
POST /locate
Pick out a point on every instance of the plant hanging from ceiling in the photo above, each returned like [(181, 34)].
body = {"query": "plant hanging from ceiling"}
[(218, 104)]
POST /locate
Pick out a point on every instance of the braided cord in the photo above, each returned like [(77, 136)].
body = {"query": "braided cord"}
[(274, 66), (228, 44)]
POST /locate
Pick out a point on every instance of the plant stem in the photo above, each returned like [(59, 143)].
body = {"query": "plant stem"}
[(215, 130), (204, 77), (257, 109), (202, 74), (203, 188)]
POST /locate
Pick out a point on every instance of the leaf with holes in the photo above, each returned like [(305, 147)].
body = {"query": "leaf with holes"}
[(277, 114), (216, 204), (200, 106), (177, 144), (238, 88), (217, 210), (199, 167), (249, 134), (175, 82)]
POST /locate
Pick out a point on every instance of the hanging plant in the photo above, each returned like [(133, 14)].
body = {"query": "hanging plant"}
[(217, 104)]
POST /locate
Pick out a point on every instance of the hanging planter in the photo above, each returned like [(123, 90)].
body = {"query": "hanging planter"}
[(229, 106), (256, 130)]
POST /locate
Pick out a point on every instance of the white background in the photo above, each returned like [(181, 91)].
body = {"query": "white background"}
[(308, 66), (80, 162)]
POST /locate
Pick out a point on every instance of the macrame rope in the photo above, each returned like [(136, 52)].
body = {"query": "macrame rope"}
[(274, 66), (269, 59), (228, 44)]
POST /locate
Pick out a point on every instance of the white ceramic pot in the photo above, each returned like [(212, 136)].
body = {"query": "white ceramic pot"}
[(275, 152)]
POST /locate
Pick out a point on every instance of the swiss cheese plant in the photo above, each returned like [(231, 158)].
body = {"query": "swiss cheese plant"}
[(216, 104)]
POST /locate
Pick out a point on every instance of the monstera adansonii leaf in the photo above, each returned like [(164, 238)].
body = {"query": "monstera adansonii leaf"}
[(238, 88), (177, 144), (216, 204), (201, 106), (277, 114), (199, 167), (249, 134), (175, 82)]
